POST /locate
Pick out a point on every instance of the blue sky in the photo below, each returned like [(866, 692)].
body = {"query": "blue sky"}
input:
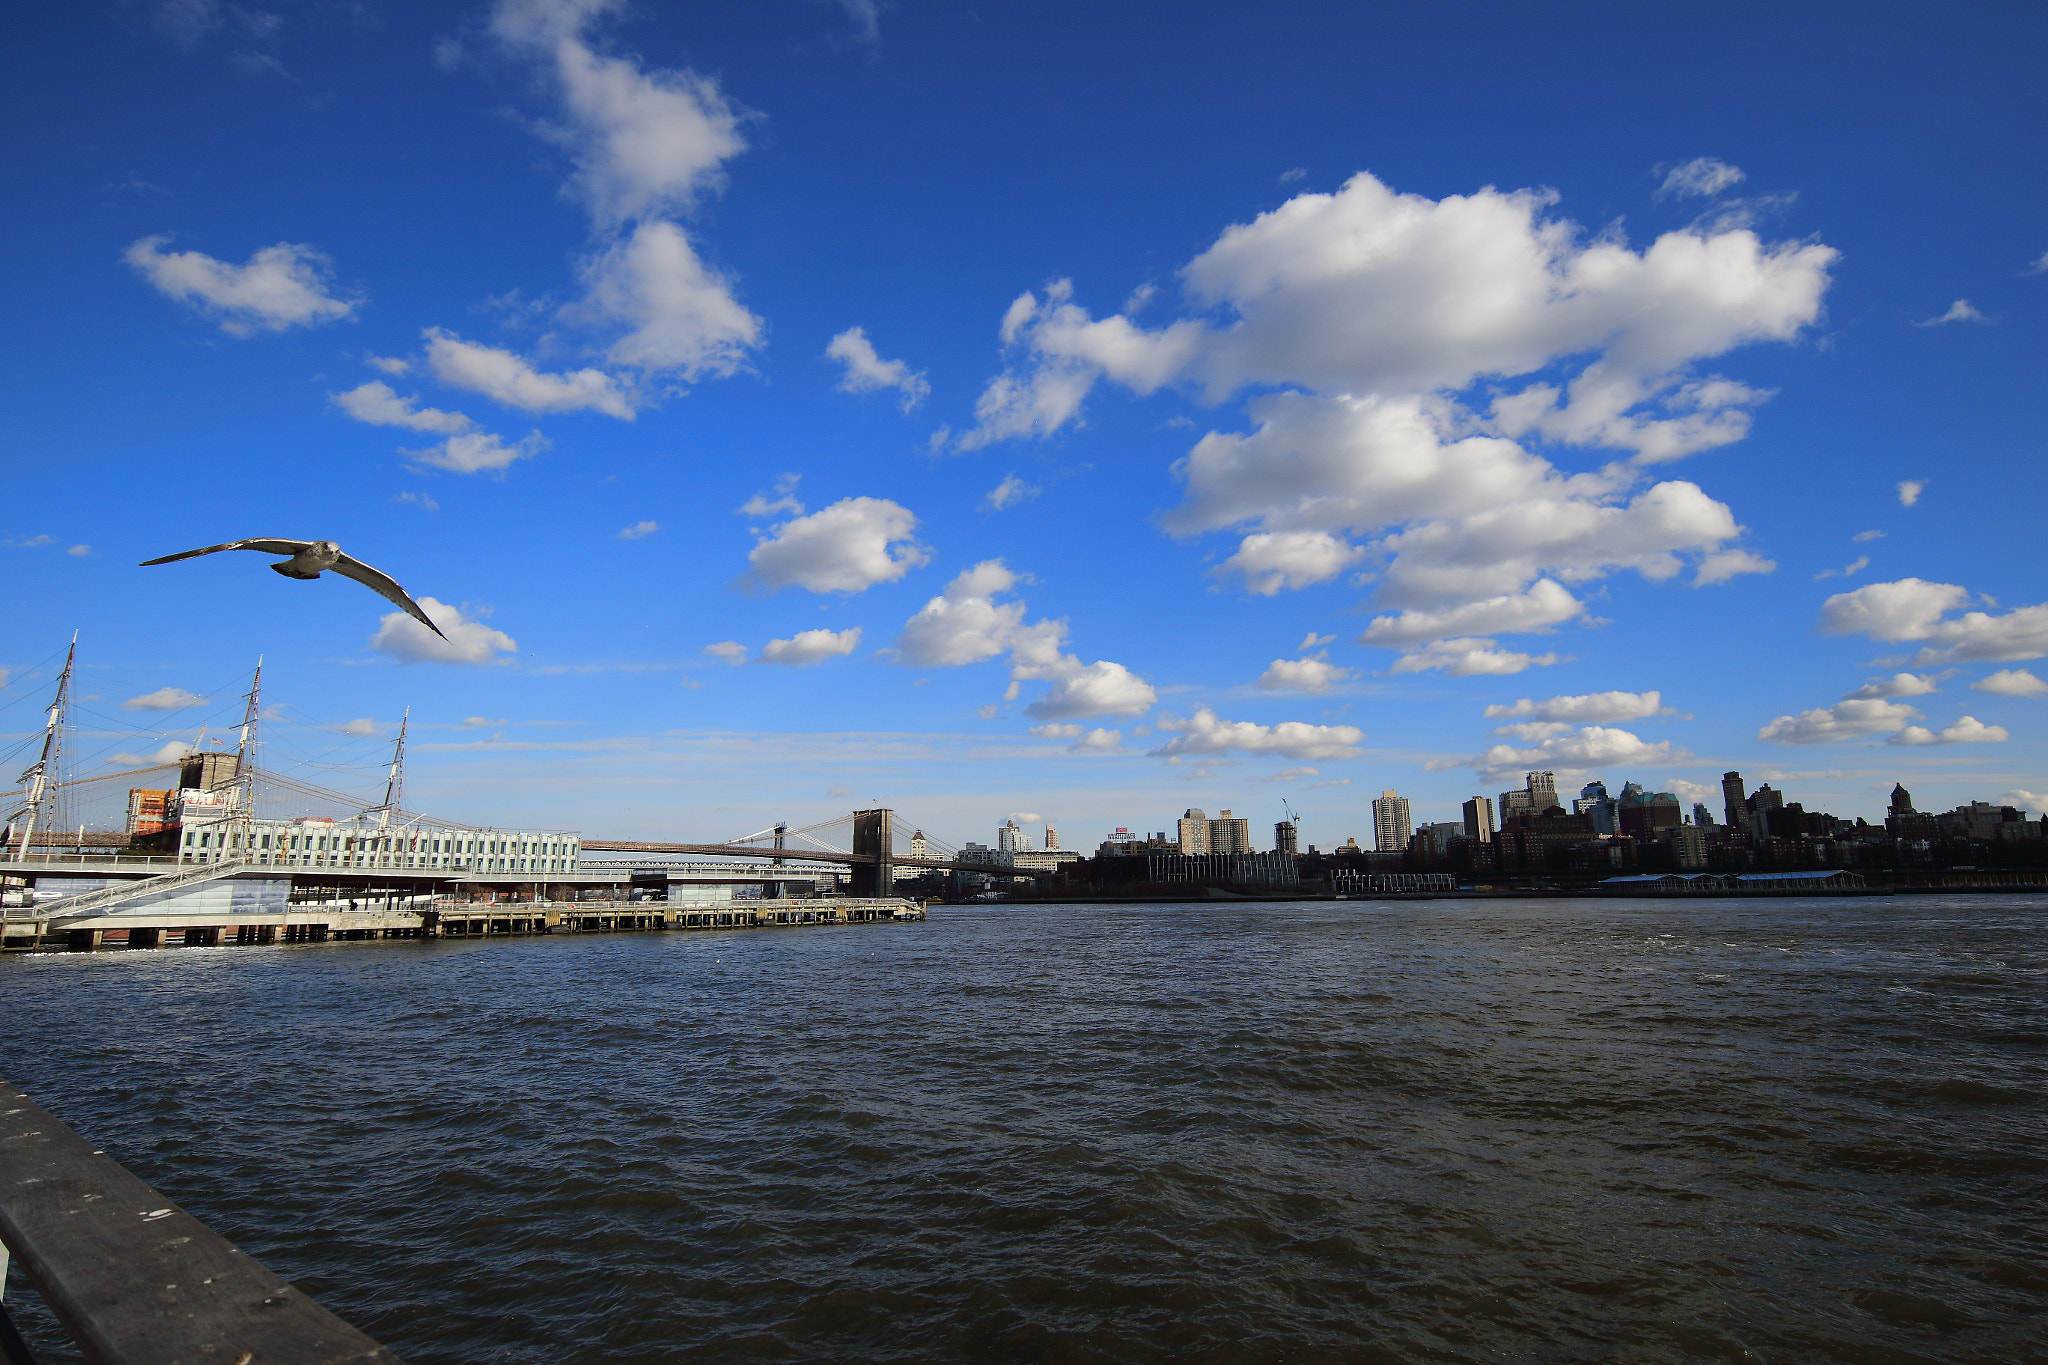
[(1081, 412)]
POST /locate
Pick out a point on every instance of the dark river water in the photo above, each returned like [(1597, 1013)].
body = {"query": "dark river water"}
[(1777, 1130)]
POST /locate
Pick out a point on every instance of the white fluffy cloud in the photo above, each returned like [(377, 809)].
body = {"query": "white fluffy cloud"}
[(1272, 560), (847, 547), (965, 624), (2011, 682), (646, 145), (1086, 741), (1374, 312), (513, 381), (1302, 675), (1897, 685), (1537, 611), (479, 452), (1702, 176), (1370, 291), (1466, 658), (1723, 565), (468, 642), (1204, 733), (2026, 800), (1910, 491), (379, 404), (1102, 688), (1962, 310), (810, 647), (1569, 755), (644, 142), (1590, 708), (731, 651), (1968, 730), (1913, 609), (169, 753), (866, 371), (639, 530), (1011, 491), (681, 315), (280, 287), (163, 699), (1851, 718)]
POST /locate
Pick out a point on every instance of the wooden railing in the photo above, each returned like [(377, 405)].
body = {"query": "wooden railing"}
[(134, 1279)]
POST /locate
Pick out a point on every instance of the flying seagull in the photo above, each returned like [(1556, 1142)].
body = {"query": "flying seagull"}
[(309, 559)]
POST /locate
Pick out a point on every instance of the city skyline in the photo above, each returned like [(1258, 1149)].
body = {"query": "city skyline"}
[(797, 408)]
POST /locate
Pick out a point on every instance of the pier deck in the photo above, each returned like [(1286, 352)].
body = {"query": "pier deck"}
[(48, 927)]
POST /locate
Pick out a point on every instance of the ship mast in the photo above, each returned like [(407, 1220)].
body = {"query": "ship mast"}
[(245, 752), (394, 784), (40, 776)]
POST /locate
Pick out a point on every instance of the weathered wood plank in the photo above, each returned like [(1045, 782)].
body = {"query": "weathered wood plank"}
[(135, 1279)]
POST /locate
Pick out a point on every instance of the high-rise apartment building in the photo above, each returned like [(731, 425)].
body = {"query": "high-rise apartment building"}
[(1230, 834), (1011, 838), (1286, 839), (1479, 819), (1391, 829), (1543, 792), (1052, 837), (1194, 831)]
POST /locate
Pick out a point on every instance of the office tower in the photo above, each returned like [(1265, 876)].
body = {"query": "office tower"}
[(1543, 792), (1230, 834), (1390, 827), (1194, 832), (1594, 801), (1732, 800), (1285, 838), (1902, 801), (1479, 819), (1701, 816)]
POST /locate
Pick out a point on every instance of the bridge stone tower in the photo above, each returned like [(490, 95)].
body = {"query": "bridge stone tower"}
[(874, 837)]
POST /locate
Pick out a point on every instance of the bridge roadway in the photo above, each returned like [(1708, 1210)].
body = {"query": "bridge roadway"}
[(802, 855)]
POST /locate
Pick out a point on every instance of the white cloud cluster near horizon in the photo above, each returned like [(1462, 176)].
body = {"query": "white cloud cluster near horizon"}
[(808, 647), (1086, 740), (2011, 682), (468, 641), (845, 548), (1203, 733), (867, 372), (1471, 657), (965, 624), (1372, 311), (1568, 753), (1312, 675), (1911, 610), (280, 287), (1593, 708), (1873, 710)]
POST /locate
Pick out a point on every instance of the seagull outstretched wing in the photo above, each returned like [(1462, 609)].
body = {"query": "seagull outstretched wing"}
[(348, 566), (269, 547)]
